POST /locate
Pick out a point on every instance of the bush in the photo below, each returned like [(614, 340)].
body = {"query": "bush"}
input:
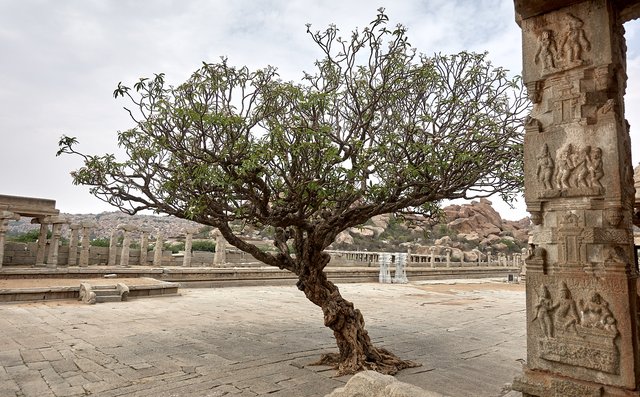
[(28, 237), (174, 248), (203, 245), (100, 242)]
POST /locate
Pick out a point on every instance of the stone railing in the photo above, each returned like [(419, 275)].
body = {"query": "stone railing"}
[(366, 258)]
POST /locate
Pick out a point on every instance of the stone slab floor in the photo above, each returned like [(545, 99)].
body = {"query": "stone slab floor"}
[(258, 341)]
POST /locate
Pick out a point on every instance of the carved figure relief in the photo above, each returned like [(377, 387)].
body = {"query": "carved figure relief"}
[(584, 337), (567, 312), (596, 314), (569, 52), (547, 51), (574, 42), (545, 168), (565, 166), (544, 310), (577, 171)]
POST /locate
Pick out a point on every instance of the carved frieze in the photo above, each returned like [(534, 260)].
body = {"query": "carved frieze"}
[(575, 172), (562, 48), (581, 335), (611, 236)]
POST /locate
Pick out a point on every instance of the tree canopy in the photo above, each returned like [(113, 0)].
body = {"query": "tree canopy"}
[(375, 128)]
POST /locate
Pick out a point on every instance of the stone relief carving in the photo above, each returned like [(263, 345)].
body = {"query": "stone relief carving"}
[(545, 168), (614, 254), (571, 241), (534, 90), (580, 334), (613, 216), (569, 53), (595, 313), (576, 172), (574, 42), (544, 310), (567, 312), (547, 51)]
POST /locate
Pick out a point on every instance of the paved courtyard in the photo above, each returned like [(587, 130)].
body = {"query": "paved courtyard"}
[(256, 341)]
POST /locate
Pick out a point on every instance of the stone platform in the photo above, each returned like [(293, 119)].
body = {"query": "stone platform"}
[(469, 336), (199, 277), (41, 289)]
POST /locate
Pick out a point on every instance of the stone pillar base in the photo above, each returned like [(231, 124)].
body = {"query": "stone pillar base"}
[(535, 383)]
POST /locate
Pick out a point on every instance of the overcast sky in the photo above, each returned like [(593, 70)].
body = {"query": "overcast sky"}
[(62, 59)]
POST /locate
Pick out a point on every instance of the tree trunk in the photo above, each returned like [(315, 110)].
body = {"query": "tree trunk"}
[(356, 352)]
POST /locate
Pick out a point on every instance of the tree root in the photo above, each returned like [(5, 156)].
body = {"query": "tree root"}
[(386, 363)]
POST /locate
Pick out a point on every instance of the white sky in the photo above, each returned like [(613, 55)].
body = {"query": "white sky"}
[(62, 59)]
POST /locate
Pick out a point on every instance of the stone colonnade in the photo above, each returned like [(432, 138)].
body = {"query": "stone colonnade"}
[(583, 336), (433, 260), (80, 244)]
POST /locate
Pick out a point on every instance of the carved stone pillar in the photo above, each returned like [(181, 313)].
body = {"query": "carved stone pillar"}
[(5, 217), (432, 256), (186, 260), (42, 240), (157, 250), (384, 276), (126, 242), (73, 244), (53, 243), (582, 310), (86, 243), (400, 276), (488, 257), (447, 252), (52, 258), (113, 248), (144, 245), (220, 257)]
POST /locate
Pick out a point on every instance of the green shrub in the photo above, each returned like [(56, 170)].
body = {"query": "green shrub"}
[(203, 245), (27, 237), (174, 248), (100, 242)]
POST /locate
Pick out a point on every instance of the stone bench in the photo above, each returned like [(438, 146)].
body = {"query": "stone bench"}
[(92, 294)]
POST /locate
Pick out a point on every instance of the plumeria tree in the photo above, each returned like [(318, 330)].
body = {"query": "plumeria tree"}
[(376, 128)]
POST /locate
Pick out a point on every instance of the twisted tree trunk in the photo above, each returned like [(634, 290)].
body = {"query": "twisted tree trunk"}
[(355, 350)]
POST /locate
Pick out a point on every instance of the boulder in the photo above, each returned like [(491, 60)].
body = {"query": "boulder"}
[(344, 238), (381, 221), (472, 237), (446, 240), (362, 231), (374, 384), (500, 247)]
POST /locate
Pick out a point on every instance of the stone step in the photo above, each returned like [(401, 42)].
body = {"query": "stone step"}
[(106, 292), (107, 298)]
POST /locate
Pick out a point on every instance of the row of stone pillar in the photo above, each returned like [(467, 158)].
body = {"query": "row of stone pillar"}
[(80, 234)]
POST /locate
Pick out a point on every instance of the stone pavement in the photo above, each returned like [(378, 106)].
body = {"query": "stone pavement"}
[(255, 341)]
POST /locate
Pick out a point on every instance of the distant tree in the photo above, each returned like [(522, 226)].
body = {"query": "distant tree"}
[(173, 247), (100, 242), (30, 236), (377, 128), (203, 245)]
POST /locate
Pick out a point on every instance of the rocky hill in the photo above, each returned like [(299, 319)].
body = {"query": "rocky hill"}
[(462, 229)]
